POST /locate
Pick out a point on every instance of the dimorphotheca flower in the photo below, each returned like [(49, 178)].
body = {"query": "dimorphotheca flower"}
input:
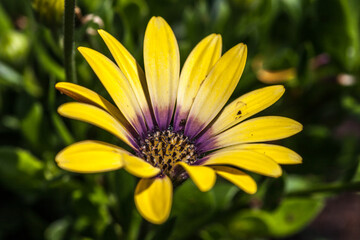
[(176, 123)]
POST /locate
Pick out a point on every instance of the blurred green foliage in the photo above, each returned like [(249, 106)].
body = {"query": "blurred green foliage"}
[(318, 38)]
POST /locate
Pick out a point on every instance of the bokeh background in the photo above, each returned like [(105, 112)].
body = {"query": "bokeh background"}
[(310, 46)]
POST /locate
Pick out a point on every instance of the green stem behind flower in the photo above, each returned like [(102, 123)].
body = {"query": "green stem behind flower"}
[(331, 188), (69, 24)]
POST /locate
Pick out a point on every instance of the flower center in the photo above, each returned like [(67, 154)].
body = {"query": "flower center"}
[(163, 149)]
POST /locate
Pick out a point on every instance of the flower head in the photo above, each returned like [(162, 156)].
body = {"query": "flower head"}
[(176, 123)]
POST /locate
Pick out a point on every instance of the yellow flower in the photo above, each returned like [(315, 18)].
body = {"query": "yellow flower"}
[(169, 149)]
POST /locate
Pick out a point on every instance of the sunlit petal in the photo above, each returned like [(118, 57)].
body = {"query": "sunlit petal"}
[(84, 95), (132, 71), (243, 108), (216, 89), (139, 167), (237, 177), (259, 129), (162, 68), (248, 160), (153, 198), (203, 177), (98, 117), (117, 86), (196, 68), (279, 154), (90, 157)]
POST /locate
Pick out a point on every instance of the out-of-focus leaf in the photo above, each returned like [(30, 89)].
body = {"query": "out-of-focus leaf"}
[(121, 186), (91, 203), (224, 194), (57, 229), (293, 8), (298, 183), (341, 30), (214, 232), (49, 64), (351, 104), (220, 14), (14, 47), (291, 216), (274, 192), (164, 231), (31, 84), (9, 77), (16, 162), (5, 23), (61, 129), (11, 122), (49, 12), (191, 208), (31, 124)]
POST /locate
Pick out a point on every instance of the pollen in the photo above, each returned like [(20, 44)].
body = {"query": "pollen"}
[(163, 149)]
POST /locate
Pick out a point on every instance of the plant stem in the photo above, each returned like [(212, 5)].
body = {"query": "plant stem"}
[(69, 24), (337, 187)]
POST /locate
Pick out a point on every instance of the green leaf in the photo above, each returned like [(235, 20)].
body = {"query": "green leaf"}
[(224, 193), (20, 170), (32, 122), (340, 35), (14, 47), (192, 209), (290, 217), (274, 192), (57, 229), (9, 77), (61, 129)]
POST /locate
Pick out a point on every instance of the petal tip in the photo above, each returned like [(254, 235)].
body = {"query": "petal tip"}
[(252, 191), (279, 88), (103, 34), (156, 21), (81, 48), (299, 127), (59, 85), (85, 50), (297, 159), (277, 172), (60, 109)]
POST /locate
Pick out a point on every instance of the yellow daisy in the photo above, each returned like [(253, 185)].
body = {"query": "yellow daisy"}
[(176, 123)]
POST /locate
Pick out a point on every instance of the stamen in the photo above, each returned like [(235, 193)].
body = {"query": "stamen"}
[(165, 148)]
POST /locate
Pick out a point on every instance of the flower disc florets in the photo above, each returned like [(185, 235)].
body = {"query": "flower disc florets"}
[(163, 149)]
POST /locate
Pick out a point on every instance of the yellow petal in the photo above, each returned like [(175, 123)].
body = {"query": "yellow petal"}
[(153, 198), (259, 129), (198, 64), (237, 177), (203, 177), (90, 157), (98, 117), (139, 167), (117, 86), (85, 95), (132, 71), (216, 89), (279, 154), (162, 67), (248, 160), (245, 107)]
